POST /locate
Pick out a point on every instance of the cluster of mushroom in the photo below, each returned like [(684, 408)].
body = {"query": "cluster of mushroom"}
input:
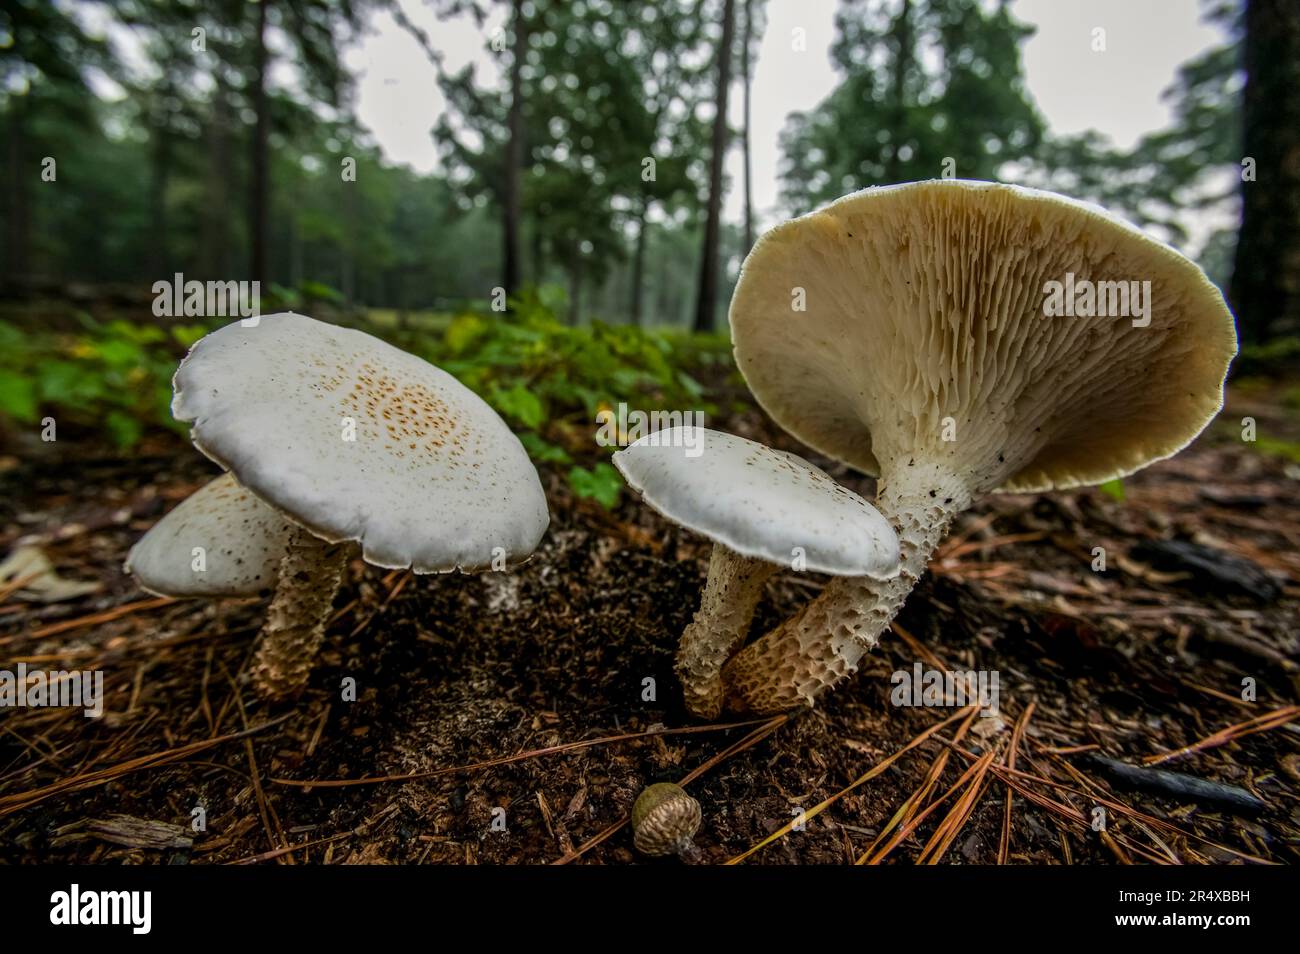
[(924, 356), (335, 444)]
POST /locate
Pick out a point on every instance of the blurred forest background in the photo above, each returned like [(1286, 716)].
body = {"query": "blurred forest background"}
[(588, 183), (591, 191)]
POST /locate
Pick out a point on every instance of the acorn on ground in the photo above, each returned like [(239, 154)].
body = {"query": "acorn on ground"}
[(664, 822)]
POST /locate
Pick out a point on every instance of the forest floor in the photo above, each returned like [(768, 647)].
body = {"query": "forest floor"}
[(524, 691)]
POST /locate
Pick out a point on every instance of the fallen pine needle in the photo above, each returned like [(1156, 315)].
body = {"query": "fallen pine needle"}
[(1004, 843), (861, 780), (77, 783), (905, 818), (93, 620), (507, 759), (1270, 720), (952, 825)]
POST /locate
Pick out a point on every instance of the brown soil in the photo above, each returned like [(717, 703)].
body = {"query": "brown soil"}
[(453, 671)]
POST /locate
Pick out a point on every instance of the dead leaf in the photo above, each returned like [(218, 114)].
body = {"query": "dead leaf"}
[(30, 570)]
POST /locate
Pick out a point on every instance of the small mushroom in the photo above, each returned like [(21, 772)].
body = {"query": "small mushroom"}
[(354, 445), (222, 540), (928, 354), (763, 509), (664, 822)]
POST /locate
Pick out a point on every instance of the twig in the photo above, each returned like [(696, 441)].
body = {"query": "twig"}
[(1179, 785)]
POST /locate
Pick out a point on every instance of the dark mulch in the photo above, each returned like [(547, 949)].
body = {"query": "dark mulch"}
[(1143, 659)]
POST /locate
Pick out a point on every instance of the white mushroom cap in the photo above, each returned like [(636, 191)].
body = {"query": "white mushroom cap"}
[(357, 440), (925, 302), (241, 538), (759, 502)]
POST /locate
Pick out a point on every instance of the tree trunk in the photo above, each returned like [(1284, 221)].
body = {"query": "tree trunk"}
[(749, 193), (1265, 288), (902, 63), (347, 249), (575, 291), (160, 175), (707, 296), (539, 263), (18, 238), (638, 264), (296, 270), (216, 227), (514, 153), (260, 194)]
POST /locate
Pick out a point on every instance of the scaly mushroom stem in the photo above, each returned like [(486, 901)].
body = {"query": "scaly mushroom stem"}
[(821, 644), (310, 574), (732, 591)]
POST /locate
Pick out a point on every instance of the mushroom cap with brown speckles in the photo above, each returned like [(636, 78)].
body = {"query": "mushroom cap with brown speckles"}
[(357, 440)]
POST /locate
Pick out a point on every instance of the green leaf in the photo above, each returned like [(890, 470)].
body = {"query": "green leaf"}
[(1113, 488), (542, 451), (11, 338), (68, 383), (463, 332), (186, 335), (602, 483), (120, 353), (521, 404), (17, 397), (124, 429)]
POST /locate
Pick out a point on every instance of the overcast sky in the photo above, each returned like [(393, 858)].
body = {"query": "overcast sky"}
[(1116, 91)]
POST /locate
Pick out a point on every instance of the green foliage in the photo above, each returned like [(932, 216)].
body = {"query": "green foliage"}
[(547, 380), (924, 81), (1281, 356), (114, 376), (601, 483), (1113, 488), (1287, 450)]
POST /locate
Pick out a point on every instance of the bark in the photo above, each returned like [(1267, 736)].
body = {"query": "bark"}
[(1265, 287), (310, 574), (707, 294), (820, 645)]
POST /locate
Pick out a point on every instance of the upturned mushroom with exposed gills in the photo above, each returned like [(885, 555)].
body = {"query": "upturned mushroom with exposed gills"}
[(931, 354), (763, 509), (335, 443)]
